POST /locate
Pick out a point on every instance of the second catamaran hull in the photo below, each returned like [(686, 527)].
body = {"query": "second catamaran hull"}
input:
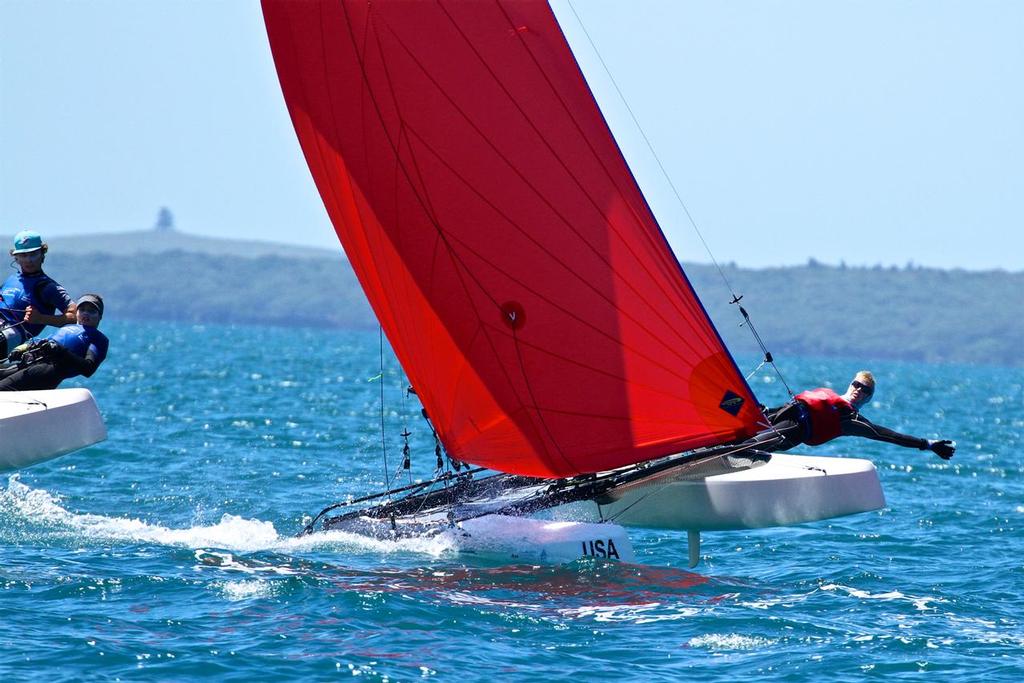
[(40, 425), (786, 490)]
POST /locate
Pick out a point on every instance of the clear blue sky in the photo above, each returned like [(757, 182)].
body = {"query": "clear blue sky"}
[(871, 132)]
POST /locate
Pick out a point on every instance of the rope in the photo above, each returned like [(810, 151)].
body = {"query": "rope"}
[(406, 460), (383, 439), (756, 370)]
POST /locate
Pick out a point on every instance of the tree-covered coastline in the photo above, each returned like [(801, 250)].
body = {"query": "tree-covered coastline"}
[(909, 313)]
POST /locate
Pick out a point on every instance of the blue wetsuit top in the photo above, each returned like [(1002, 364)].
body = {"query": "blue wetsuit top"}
[(83, 342), (38, 290)]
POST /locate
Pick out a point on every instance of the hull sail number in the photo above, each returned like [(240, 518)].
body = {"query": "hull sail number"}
[(600, 548)]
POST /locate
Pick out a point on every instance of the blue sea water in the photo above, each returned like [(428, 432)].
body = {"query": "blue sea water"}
[(168, 552)]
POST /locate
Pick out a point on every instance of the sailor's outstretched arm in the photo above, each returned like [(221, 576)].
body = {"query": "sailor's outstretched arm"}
[(858, 425)]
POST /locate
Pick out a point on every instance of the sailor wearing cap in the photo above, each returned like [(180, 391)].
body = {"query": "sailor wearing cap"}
[(73, 350), (30, 297)]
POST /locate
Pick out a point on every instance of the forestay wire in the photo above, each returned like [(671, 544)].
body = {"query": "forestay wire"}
[(383, 435), (736, 298), (406, 465)]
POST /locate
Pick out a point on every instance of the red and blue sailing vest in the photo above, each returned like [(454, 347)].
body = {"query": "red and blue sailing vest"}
[(826, 409)]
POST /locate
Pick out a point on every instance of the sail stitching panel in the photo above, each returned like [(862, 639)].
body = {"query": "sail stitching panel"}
[(638, 219), (397, 171), (533, 400), (685, 341), (400, 170), (419, 190), (676, 266), (693, 299), (670, 299), (367, 92), (440, 89), (602, 371), (459, 267), (425, 201), (319, 141), (569, 313), (320, 151), (693, 308), (582, 136)]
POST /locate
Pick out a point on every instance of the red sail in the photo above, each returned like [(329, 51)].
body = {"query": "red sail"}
[(503, 243)]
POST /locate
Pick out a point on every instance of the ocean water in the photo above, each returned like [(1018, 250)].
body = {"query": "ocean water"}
[(169, 552)]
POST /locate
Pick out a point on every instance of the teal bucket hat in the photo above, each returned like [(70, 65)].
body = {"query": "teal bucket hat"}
[(26, 241)]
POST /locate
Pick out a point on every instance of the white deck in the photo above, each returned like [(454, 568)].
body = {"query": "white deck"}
[(40, 425), (789, 489)]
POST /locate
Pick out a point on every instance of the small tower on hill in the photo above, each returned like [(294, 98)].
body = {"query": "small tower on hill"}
[(164, 220)]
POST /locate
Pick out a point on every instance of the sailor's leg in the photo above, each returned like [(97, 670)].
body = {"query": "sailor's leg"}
[(39, 376), (782, 436)]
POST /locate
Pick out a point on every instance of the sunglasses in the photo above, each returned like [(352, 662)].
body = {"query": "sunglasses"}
[(863, 387)]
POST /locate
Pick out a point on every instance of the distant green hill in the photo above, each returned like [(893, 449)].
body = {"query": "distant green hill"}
[(920, 314), (869, 313), (158, 242)]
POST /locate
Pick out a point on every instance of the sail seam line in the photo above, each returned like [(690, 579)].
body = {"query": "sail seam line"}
[(462, 272), (669, 298)]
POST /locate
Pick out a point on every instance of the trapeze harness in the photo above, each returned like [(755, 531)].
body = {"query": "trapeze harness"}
[(823, 413)]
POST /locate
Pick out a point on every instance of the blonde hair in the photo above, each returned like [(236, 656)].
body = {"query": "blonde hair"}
[(866, 378)]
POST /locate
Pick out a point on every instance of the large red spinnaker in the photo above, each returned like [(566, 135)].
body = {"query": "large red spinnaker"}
[(502, 241)]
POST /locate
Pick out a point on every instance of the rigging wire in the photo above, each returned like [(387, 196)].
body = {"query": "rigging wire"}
[(383, 437), (693, 223), (406, 459)]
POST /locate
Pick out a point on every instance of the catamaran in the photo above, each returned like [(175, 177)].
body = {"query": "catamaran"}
[(526, 288)]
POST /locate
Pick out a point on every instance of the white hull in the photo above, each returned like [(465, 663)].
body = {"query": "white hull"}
[(788, 489), (532, 540), (718, 493), (40, 425)]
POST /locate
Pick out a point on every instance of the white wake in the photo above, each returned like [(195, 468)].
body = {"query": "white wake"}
[(39, 513)]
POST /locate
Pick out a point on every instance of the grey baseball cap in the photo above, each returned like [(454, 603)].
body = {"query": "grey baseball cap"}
[(91, 299)]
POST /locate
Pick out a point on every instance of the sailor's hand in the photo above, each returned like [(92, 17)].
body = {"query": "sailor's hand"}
[(17, 353), (943, 448), (31, 315)]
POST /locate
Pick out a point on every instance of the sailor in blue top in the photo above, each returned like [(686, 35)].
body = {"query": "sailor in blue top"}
[(30, 298), (72, 350)]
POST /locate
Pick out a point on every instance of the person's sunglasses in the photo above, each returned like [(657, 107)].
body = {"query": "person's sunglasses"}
[(863, 387)]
